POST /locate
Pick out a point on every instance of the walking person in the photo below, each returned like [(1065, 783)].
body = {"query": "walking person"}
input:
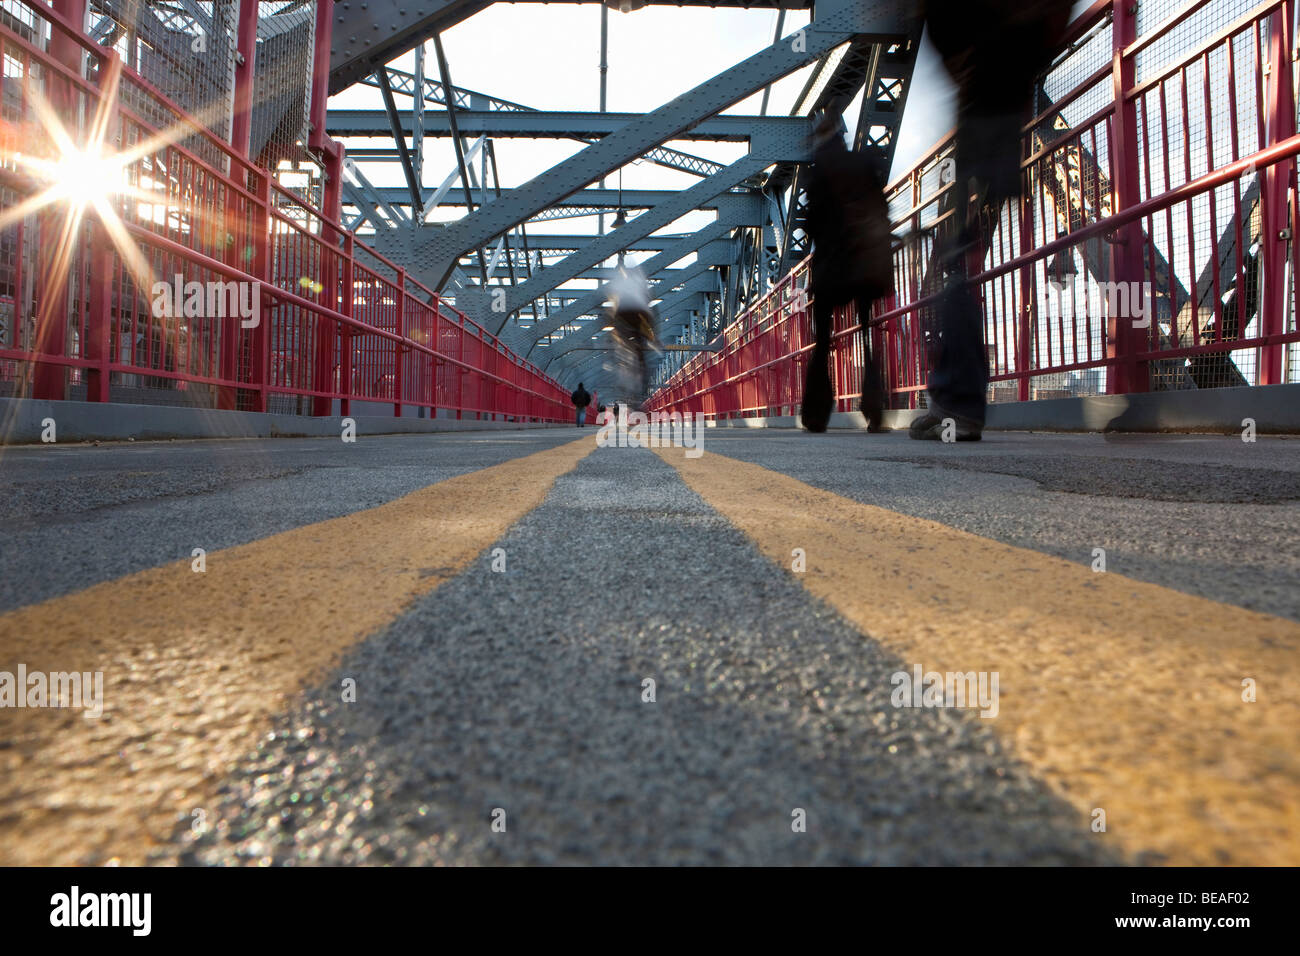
[(852, 261), (581, 398), (994, 50)]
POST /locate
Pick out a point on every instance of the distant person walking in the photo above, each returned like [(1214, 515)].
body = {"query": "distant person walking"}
[(581, 398), (848, 221)]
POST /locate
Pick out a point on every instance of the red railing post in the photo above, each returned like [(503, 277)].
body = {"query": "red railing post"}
[(400, 344), (260, 268), (328, 333), (320, 76), (241, 124), (1122, 340), (1028, 298), (462, 340), (1278, 180), (241, 129), (345, 334), (100, 315), (60, 253)]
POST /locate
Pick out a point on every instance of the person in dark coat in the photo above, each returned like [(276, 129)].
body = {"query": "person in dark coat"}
[(848, 222), (581, 398)]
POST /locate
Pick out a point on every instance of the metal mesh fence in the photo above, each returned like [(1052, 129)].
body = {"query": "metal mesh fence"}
[(1202, 93), (185, 49), (286, 38), (17, 259)]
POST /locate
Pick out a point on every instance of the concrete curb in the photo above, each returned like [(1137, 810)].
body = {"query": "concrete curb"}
[(1275, 409), (21, 423)]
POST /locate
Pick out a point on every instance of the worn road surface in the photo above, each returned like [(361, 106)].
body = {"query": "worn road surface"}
[(517, 647)]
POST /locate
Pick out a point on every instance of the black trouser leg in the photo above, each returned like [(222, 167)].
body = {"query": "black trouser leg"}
[(818, 393), (960, 377), (872, 402)]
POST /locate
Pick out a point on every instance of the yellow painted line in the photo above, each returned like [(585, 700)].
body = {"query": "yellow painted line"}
[(1122, 695), (196, 665)]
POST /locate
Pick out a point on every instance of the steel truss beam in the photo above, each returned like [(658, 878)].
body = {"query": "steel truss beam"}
[(836, 22), (469, 100), (713, 189), (548, 124), (603, 198), (367, 35)]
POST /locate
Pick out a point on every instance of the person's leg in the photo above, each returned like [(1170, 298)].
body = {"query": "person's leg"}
[(958, 383), (872, 402), (643, 367), (818, 393), (958, 377)]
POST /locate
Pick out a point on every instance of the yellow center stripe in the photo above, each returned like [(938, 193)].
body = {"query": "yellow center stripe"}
[(1125, 696), (195, 665)]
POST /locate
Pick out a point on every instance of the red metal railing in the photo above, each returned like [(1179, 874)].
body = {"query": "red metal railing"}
[(1162, 158), (337, 323)]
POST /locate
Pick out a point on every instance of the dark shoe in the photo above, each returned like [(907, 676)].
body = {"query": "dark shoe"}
[(874, 415), (814, 421), (932, 425), (818, 400)]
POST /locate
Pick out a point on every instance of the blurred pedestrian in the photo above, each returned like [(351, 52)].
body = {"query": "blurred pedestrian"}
[(852, 261), (581, 398), (632, 318), (994, 50)]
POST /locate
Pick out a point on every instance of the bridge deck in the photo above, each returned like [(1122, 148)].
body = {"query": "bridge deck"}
[(522, 688)]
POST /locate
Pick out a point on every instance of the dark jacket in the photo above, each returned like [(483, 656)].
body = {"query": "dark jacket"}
[(580, 397), (848, 221)]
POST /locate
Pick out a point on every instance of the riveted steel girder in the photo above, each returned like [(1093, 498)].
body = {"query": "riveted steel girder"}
[(469, 100), (711, 190), (836, 22), (367, 34), (596, 198), (541, 124)]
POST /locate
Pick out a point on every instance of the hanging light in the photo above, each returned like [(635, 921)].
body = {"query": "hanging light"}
[(621, 219)]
